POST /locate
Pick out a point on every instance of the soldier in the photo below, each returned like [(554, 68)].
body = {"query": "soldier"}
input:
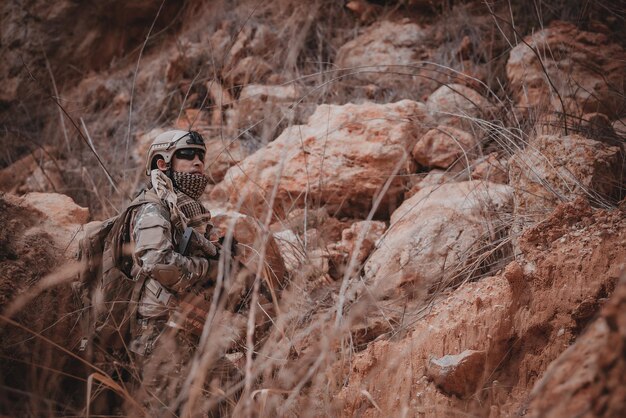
[(175, 164)]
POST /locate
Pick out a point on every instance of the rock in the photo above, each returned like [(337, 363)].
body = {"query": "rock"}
[(433, 178), (233, 46), (59, 209), (340, 159), (366, 12), (302, 221), (435, 235), (456, 105), (280, 93), (193, 119), (10, 89), (218, 94), (386, 51), (552, 169), (523, 320), (35, 172), (186, 60), (619, 127), (589, 378), (311, 256), (361, 237), (585, 68), (60, 218), (221, 155), (291, 248), (443, 146), (477, 315), (46, 178), (597, 126), (222, 101), (357, 242), (35, 271), (459, 374), (248, 69), (491, 168), (263, 109), (251, 238)]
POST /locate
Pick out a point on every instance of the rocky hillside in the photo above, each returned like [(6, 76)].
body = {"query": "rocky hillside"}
[(434, 192)]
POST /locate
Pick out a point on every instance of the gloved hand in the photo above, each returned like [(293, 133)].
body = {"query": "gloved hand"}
[(233, 245)]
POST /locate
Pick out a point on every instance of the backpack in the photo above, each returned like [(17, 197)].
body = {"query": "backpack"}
[(107, 293)]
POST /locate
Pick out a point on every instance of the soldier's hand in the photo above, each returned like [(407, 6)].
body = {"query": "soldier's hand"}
[(233, 245)]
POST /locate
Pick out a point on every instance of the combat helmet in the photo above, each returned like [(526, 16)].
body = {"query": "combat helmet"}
[(167, 143)]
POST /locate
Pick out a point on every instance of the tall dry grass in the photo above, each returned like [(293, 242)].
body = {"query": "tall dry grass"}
[(294, 359)]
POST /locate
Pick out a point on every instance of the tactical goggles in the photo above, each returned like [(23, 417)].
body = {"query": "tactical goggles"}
[(189, 154), (193, 138)]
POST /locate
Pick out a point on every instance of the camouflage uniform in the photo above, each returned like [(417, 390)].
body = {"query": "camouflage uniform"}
[(161, 352), (168, 272)]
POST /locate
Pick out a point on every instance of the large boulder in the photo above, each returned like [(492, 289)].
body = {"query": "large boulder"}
[(553, 169), (340, 159), (583, 69), (435, 235), (458, 106), (386, 54)]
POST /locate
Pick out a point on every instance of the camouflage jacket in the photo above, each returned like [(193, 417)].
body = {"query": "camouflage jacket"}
[(155, 255)]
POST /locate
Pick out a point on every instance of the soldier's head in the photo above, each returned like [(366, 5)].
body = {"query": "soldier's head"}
[(177, 152)]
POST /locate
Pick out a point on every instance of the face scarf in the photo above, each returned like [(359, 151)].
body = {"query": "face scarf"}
[(189, 187)]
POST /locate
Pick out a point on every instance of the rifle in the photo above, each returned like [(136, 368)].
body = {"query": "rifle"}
[(190, 235)]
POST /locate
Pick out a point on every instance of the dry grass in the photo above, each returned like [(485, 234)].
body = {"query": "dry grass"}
[(294, 358)]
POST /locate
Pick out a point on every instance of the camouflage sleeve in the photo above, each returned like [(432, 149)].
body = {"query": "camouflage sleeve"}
[(154, 250)]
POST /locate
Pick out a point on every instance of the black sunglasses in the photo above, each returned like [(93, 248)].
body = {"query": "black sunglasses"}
[(190, 154)]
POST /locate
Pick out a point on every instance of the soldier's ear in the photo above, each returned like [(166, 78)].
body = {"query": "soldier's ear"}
[(162, 165)]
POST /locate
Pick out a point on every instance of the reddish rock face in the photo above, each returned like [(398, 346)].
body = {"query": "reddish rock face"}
[(543, 175), (437, 318), (589, 378), (522, 320), (586, 70), (477, 317), (341, 159)]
